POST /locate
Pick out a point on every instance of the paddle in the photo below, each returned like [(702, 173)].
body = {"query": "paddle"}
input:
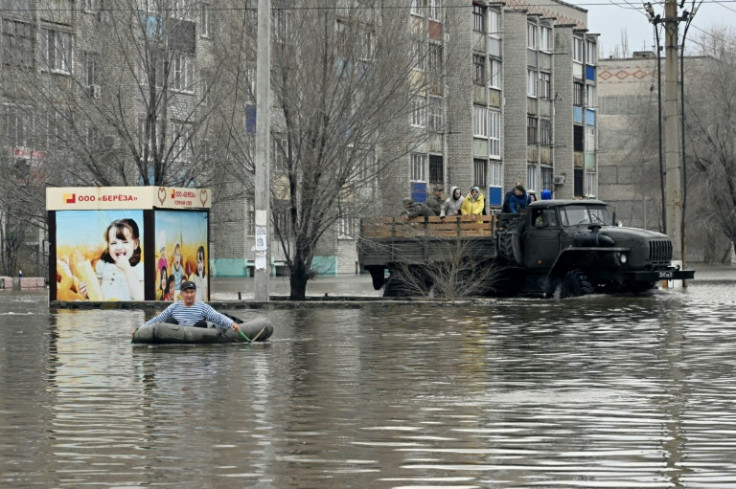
[(238, 321)]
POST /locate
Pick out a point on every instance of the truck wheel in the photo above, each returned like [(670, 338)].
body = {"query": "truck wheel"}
[(574, 284)]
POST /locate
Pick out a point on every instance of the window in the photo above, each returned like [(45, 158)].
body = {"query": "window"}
[(545, 132), (547, 182), (181, 143), (544, 86), (418, 117), (56, 50), (416, 7), (591, 53), (531, 36), (17, 43), (479, 173), (281, 24), (479, 17), (251, 224), (183, 73), (480, 121), (278, 152), (590, 184), (545, 39), (494, 137), (577, 49), (590, 138), (204, 20), (494, 23), (590, 99), (417, 167), (494, 46), (436, 170), (179, 8), (495, 76), (435, 7), (531, 178), (495, 176), (346, 227), (436, 119), (578, 90), (479, 63), (577, 185), (531, 84), (90, 68), (531, 129), (341, 36), (577, 135), (368, 43), (435, 58), (418, 54), (205, 93), (281, 217), (16, 126)]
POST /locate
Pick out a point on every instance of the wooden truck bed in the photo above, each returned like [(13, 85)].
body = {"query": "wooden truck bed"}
[(425, 239)]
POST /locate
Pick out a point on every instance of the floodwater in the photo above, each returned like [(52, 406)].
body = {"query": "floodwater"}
[(594, 392)]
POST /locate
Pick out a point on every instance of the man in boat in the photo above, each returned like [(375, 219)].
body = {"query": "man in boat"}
[(191, 312)]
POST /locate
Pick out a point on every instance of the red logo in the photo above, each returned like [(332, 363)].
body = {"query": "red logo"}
[(70, 198)]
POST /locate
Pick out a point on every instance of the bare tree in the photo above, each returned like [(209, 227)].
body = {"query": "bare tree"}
[(460, 269), (346, 76), (710, 128)]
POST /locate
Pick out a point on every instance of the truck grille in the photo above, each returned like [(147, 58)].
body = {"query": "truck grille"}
[(660, 250)]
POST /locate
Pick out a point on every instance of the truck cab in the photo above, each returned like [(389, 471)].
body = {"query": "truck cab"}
[(573, 247)]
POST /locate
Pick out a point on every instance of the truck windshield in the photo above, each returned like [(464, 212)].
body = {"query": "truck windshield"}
[(574, 215)]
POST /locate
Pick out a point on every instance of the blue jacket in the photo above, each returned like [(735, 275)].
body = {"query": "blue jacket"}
[(517, 203)]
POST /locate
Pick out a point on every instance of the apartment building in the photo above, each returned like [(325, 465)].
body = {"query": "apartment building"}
[(520, 106), (513, 98)]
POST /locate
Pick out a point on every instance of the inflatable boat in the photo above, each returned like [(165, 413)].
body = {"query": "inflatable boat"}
[(165, 333)]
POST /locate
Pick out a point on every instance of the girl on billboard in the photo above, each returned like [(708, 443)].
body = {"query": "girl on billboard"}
[(199, 277), (118, 269)]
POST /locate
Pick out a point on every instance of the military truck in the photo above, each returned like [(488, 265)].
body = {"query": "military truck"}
[(557, 248)]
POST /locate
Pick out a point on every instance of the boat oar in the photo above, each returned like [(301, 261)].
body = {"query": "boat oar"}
[(247, 340)]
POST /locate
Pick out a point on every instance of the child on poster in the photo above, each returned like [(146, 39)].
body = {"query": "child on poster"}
[(199, 277), (176, 269), (119, 270)]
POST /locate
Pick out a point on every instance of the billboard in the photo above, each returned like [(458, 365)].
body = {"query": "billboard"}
[(181, 253), (127, 243), (99, 255)]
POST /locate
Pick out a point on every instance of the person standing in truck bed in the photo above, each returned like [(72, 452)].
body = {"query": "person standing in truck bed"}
[(474, 204), (452, 205)]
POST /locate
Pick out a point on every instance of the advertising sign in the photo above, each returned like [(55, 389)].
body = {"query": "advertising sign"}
[(181, 253), (99, 255), (127, 243)]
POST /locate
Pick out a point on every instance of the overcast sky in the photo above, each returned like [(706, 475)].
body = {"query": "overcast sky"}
[(612, 18)]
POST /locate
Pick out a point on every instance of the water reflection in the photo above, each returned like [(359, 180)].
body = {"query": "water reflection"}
[(594, 392)]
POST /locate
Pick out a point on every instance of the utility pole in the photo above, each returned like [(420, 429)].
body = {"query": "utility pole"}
[(263, 153), (673, 159)]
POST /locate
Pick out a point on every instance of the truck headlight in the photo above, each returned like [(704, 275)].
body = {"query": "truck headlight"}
[(621, 258)]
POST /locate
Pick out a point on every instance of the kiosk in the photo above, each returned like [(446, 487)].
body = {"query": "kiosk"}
[(127, 243)]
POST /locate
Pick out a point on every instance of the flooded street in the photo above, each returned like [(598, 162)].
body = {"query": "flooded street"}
[(595, 392)]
